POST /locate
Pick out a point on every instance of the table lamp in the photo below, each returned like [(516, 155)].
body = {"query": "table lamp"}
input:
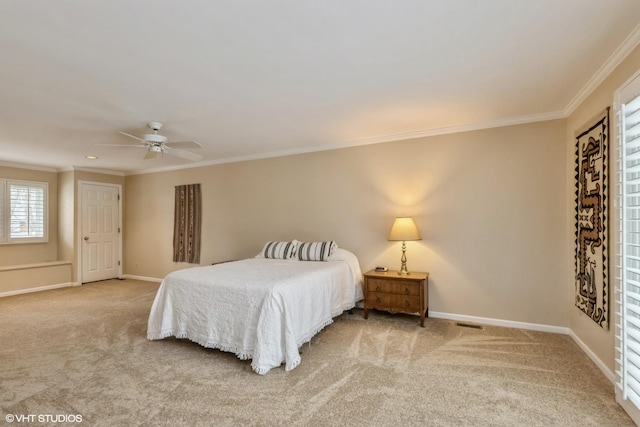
[(403, 229)]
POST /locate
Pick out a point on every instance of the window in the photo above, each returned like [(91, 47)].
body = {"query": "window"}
[(627, 333), (23, 211)]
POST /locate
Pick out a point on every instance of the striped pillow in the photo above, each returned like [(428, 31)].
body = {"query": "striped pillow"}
[(279, 250), (316, 251)]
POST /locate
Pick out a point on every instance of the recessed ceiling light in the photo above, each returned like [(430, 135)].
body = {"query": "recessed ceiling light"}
[(91, 157)]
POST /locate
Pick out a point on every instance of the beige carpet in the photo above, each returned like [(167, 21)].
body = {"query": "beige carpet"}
[(83, 351)]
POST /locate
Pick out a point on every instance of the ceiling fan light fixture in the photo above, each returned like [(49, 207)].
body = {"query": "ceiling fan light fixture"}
[(155, 138)]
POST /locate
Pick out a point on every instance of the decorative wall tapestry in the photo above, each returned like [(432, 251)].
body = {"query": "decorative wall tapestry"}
[(187, 224), (592, 282)]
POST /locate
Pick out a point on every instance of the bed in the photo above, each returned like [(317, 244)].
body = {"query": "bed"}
[(261, 308)]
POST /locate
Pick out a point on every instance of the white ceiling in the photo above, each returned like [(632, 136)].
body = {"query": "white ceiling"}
[(250, 79)]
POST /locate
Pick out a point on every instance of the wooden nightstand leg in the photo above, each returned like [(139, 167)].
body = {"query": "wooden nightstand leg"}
[(422, 320), (366, 313)]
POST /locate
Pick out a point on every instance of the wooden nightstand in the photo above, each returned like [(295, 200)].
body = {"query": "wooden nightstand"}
[(397, 294)]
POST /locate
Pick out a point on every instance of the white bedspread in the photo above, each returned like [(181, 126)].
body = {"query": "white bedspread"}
[(259, 309)]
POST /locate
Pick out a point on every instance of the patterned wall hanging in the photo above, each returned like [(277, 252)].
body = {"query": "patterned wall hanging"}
[(187, 224), (592, 281)]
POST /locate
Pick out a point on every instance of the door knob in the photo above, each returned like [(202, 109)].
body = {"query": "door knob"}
[(86, 237)]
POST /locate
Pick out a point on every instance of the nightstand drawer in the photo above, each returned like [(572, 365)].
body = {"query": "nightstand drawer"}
[(395, 293), (394, 287), (394, 302)]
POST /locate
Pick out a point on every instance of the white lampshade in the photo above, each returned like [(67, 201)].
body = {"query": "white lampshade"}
[(404, 229)]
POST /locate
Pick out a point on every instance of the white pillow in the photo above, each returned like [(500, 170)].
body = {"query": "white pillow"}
[(315, 251), (279, 250)]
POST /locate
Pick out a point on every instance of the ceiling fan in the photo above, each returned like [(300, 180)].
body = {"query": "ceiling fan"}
[(159, 144)]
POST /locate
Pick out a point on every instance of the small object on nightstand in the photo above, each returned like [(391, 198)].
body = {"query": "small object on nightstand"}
[(395, 293), (382, 269)]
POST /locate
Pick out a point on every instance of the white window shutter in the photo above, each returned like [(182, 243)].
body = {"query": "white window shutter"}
[(27, 221), (628, 251)]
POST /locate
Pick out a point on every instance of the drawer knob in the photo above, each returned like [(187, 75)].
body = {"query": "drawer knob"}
[(378, 288), (377, 299), (407, 302), (406, 291)]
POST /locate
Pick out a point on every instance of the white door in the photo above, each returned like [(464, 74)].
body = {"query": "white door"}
[(100, 233)]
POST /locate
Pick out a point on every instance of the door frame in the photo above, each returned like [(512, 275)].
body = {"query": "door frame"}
[(79, 221)]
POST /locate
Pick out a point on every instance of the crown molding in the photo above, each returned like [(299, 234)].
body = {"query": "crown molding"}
[(55, 170), (603, 72), (365, 141), (100, 171), (462, 128), (29, 167)]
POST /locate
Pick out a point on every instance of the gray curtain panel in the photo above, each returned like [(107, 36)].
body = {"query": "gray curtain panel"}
[(187, 224)]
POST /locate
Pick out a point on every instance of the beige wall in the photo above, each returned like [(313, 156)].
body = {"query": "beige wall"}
[(43, 276), (490, 206), (29, 253), (600, 341), (66, 216)]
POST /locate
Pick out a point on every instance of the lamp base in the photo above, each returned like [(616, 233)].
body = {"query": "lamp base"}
[(403, 261)]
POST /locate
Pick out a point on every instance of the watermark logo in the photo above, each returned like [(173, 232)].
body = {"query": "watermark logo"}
[(43, 418)]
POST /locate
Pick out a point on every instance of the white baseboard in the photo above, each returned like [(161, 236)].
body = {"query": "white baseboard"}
[(533, 327), (500, 322), (38, 289), (607, 372), (146, 279)]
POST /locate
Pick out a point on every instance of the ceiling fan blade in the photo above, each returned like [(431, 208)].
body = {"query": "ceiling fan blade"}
[(133, 136), (150, 154), (121, 145), (184, 154), (183, 144)]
